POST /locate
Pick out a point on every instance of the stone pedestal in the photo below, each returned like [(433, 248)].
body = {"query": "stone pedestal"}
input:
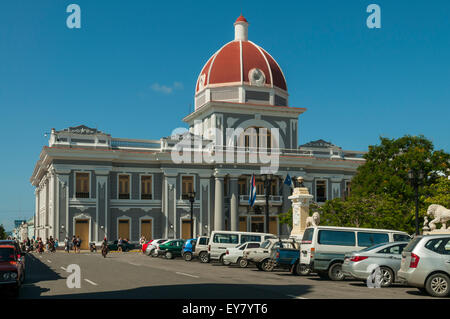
[(300, 211), (437, 232)]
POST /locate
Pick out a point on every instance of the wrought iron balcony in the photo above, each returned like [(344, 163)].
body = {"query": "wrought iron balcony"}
[(275, 200), (81, 195)]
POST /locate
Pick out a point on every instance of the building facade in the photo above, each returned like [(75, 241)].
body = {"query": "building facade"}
[(91, 184)]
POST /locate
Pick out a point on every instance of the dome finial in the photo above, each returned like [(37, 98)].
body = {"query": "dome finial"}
[(241, 29)]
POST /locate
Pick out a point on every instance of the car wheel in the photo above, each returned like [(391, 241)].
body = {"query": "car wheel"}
[(302, 270), (387, 277), (258, 265), (335, 272), (243, 263), (153, 253), (267, 265), (223, 261), (168, 255), (438, 285), (204, 258), (188, 256)]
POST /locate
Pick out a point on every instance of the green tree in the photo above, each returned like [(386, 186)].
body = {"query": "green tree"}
[(2, 232), (382, 195), (438, 193)]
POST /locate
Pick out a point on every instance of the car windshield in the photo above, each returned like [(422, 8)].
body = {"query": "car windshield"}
[(265, 244), (6, 254), (412, 244)]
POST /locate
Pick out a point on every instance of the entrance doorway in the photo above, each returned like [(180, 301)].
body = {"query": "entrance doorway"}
[(243, 223), (124, 229), (257, 224), (82, 230), (273, 226), (146, 228), (186, 229)]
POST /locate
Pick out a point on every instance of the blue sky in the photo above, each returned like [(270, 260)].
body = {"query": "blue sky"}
[(131, 71)]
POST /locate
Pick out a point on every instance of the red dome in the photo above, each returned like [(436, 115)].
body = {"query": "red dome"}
[(233, 62), (241, 19)]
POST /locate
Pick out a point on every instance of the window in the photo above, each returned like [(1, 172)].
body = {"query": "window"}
[(307, 236), (256, 137), (348, 186), (203, 241), (146, 187), (394, 250), (338, 238), (321, 191), (82, 185), (7, 254), (370, 239), (439, 245), (242, 183), (226, 239), (265, 244), (412, 244), (253, 245), (246, 238), (124, 186), (400, 237), (187, 184)]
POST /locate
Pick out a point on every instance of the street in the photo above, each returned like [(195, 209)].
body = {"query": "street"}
[(136, 276)]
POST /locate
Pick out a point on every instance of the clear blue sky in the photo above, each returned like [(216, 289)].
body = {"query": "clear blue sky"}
[(131, 71)]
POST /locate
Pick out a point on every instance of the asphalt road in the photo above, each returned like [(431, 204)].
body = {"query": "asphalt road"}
[(134, 275)]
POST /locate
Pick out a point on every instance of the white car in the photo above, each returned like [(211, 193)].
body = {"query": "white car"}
[(234, 255), (153, 247)]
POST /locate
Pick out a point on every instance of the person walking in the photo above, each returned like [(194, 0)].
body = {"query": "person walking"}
[(67, 244), (74, 244), (78, 244), (119, 244)]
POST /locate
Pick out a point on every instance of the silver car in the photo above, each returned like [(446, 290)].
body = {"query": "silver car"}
[(426, 264), (363, 263)]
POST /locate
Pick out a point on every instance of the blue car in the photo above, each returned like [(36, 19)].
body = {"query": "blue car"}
[(188, 249)]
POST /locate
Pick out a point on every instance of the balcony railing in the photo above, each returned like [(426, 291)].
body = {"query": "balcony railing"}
[(261, 199), (124, 196), (81, 195), (146, 196)]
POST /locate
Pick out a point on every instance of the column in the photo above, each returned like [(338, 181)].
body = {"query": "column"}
[(170, 202), (36, 215), (234, 203), (219, 218), (300, 209), (204, 221), (101, 218)]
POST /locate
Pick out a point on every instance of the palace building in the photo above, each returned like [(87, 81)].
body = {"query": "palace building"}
[(91, 184)]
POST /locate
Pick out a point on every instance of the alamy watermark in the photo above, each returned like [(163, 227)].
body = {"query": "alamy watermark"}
[(259, 146)]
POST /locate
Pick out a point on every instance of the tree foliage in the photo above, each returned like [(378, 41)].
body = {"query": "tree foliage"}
[(2, 232)]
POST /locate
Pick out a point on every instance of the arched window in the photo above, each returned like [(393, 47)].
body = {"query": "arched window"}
[(256, 137)]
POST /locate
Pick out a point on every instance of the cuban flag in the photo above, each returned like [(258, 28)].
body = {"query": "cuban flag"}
[(252, 197), (288, 180)]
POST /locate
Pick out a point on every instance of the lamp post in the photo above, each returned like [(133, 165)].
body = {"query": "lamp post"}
[(191, 196), (267, 178), (416, 176)]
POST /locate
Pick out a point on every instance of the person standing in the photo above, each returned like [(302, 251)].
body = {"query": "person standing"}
[(74, 243), (119, 244), (78, 244)]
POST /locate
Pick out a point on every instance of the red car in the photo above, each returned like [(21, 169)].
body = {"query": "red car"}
[(144, 246), (12, 272)]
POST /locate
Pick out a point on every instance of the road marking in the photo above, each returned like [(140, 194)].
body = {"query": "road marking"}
[(134, 264), (296, 297), (91, 282), (182, 273), (63, 268)]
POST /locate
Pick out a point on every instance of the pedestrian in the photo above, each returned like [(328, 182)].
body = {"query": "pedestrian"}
[(78, 244), (74, 243), (67, 244), (119, 244)]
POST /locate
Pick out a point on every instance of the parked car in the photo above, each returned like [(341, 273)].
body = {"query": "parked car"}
[(262, 257), (323, 248), (126, 246), (188, 249), (145, 245), (20, 253), (387, 257), (152, 248), (12, 271), (201, 249), (235, 255), (171, 248), (221, 240), (425, 264), (288, 258)]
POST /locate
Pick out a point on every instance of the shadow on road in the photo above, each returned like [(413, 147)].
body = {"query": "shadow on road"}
[(195, 291)]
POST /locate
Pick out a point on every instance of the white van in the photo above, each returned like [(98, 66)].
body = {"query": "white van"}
[(219, 241), (323, 247)]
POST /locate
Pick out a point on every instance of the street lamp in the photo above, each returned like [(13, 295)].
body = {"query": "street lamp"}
[(267, 178), (416, 176), (191, 196)]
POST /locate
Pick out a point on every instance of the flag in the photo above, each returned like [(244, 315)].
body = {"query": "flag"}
[(252, 197), (288, 180)]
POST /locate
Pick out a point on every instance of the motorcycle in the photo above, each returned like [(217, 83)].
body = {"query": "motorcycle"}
[(92, 247), (104, 251)]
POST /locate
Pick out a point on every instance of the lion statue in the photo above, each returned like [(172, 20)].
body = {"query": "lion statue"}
[(313, 220), (440, 215)]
